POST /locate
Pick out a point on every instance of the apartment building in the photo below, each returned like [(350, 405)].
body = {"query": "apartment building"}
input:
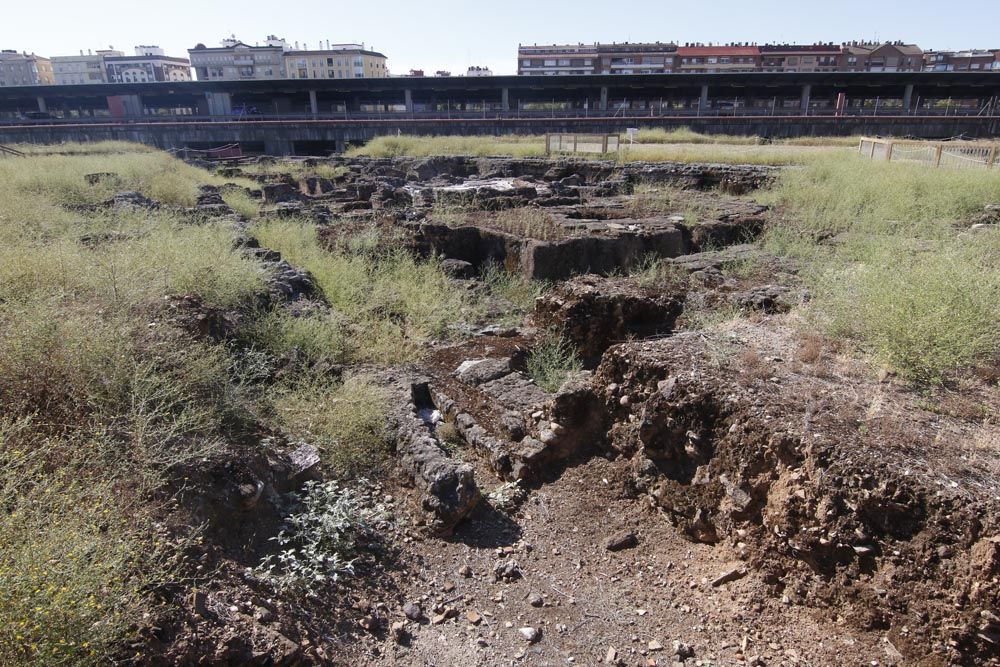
[(82, 69), (556, 59), (475, 70), (22, 69), (699, 58), (800, 57), (235, 61), (896, 57), (336, 61), (149, 64), (973, 60), (636, 58), (614, 58)]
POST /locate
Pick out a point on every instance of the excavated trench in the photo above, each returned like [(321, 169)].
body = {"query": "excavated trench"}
[(722, 436)]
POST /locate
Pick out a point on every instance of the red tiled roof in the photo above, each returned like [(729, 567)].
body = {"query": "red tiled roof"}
[(799, 48), (718, 51)]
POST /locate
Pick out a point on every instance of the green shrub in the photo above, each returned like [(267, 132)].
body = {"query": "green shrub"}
[(318, 540), (551, 362)]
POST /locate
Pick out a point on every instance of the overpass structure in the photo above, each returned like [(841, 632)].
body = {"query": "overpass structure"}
[(314, 116)]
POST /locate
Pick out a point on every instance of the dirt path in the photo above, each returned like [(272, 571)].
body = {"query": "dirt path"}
[(597, 606)]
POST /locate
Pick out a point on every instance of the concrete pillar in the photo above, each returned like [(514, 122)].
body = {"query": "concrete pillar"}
[(219, 104), (313, 104), (703, 100), (505, 99), (408, 99), (806, 95), (41, 104), (604, 98), (908, 97)]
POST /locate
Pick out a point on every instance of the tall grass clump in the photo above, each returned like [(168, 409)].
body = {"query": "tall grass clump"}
[(684, 135), (512, 287), (347, 422), (925, 313), (75, 574), (551, 362), (480, 146), (297, 169), (889, 264), (58, 180), (655, 145), (105, 398), (861, 196), (395, 301), (241, 202), (85, 148)]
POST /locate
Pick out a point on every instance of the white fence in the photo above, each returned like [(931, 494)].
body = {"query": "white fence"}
[(956, 154), (581, 143)]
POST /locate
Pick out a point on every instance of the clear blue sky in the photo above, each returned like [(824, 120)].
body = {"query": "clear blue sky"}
[(453, 35)]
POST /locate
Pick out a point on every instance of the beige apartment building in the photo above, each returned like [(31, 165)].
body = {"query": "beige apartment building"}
[(336, 61), (81, 69), (22, 69), (236, 61)]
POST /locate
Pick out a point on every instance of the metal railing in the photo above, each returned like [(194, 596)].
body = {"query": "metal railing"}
[(746, 113), (956, 154), (7, 150)]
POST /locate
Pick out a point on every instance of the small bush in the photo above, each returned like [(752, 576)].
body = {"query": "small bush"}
[(318, 540), (551, 362)]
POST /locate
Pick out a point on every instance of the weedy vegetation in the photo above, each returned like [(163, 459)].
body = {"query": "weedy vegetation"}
[(552, 361), (890, 263)]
